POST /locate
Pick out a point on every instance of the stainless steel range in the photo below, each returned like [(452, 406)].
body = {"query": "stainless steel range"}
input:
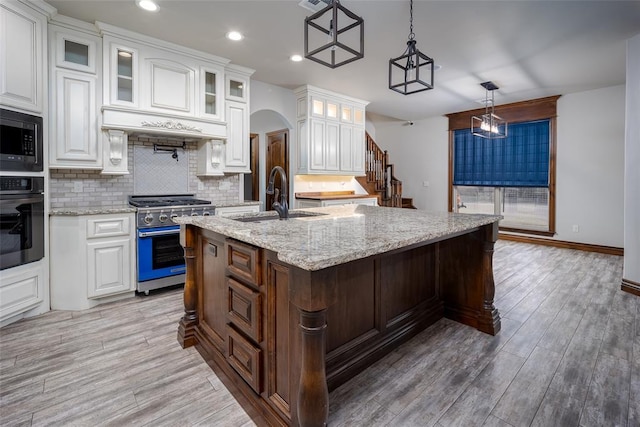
[(159, 254)]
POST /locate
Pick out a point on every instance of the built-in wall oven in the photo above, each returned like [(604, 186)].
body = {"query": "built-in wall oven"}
[(160, 257), (20, 142), (21, 220)]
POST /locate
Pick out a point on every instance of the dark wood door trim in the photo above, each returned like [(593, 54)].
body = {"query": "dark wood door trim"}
[(255, 166), (283, 161)]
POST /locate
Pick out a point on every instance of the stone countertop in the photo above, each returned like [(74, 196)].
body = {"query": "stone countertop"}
[(344, 234), (91, 210), (233, 204)]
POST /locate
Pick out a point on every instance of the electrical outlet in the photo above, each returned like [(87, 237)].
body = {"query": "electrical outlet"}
[(575, 228), (425, 183), (77, 187)]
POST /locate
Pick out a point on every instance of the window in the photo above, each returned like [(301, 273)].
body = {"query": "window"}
[(513, 177)]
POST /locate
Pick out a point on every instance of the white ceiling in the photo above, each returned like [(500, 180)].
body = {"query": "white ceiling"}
[(530, 49)]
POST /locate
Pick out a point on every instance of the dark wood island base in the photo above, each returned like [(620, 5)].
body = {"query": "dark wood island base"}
[(280, 337)]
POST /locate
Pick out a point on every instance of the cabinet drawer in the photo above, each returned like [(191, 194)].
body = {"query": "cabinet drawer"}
[(107, 227), (245, 309), (243, 261), (244, 357)]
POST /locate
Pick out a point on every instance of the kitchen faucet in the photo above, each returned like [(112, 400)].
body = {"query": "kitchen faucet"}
[(281, 206)]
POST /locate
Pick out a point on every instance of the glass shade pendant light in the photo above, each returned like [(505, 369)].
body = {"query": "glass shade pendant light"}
[(489, 125), (337, 34), (412, 71)]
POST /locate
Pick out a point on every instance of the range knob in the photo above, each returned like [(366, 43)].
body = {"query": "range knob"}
[(162, 217), (173, 215), (206, 213), (194, 212), (148, 218)]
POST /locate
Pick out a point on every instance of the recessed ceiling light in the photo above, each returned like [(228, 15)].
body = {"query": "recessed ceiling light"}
[(296, 58), (234, 35), (149, 5)]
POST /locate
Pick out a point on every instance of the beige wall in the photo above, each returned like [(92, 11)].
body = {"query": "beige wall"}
[(590, 164)]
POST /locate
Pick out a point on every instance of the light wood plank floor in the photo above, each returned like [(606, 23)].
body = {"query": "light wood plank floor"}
[(568, 355)]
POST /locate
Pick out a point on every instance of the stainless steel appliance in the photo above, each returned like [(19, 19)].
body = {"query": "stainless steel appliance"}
[(21, 220), (159, 253), (20, 142)]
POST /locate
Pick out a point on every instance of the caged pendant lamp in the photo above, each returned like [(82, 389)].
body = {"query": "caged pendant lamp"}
[(489, 125), (337, 34), (412, 71)]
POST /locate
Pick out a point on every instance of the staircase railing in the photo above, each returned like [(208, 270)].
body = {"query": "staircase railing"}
[(380, 179)]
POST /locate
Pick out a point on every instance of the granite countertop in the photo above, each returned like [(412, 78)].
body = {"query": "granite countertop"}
[(343, 234), (92, 210), (233, 204)]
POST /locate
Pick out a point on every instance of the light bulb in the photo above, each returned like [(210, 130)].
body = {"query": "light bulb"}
[(331, 34)]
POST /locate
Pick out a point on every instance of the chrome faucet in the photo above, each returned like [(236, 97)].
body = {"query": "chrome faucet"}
[(282, 207)]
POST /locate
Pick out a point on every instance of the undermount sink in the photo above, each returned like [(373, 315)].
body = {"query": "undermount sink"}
[(260, 218)]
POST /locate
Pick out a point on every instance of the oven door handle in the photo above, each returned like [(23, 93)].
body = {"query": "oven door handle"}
[(157, 233)]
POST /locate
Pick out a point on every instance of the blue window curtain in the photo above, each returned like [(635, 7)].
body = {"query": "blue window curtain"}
[(520, 160)]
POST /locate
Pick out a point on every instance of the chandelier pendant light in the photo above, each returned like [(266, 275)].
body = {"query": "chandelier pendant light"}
[(337, 34), (412, 71), (489, 125)]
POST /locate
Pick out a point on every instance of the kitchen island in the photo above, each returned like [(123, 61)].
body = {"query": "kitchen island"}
[(285, 311)]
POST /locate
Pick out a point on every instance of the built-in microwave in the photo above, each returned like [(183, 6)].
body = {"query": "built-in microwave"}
[(20, 142)]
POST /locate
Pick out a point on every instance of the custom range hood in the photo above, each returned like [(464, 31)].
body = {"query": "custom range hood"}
[(161, 125)]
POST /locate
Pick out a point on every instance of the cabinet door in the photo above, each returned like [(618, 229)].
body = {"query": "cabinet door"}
[(75, 51), (237, 147), (108, 267), (316, 145), (211, 93), (123, 74), (22, 40), (237, 88), (168, 86), (346, 148), (358, 150), (76, 140), (332, 147), (21, 289)]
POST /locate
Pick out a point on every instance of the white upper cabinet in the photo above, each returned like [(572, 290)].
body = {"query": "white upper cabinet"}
[(23, 41), (237, 146), (75, 85), (211, 93), (157, 87), (330, 133)]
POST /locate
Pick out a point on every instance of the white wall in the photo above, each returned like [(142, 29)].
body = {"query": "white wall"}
[(590, 167), (632, 160), (589, 172), (419, 154)]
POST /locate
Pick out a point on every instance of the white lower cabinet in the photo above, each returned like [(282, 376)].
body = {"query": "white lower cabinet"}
[(92, 259), (21, 289), (236, 210)]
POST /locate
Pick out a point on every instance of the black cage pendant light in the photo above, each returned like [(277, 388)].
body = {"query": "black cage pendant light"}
[(337, 34), (411, 72), (489, 125)]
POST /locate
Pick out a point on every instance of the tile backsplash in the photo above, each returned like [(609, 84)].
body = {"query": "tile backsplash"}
[(69, 188)]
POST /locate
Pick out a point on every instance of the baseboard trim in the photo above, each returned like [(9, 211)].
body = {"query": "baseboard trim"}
[(630, 286), (609, 250)]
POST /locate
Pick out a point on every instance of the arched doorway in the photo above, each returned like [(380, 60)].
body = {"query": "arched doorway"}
[(263, 123)]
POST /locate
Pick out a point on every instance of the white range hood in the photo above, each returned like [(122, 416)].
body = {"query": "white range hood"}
[(161, 125)]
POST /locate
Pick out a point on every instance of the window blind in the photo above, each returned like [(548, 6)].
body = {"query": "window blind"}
[(520, 160)]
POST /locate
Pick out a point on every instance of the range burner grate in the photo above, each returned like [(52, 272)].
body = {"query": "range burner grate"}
[(169, 200)]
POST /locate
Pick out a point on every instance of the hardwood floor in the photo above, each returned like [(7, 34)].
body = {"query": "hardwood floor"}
[(568, 355)]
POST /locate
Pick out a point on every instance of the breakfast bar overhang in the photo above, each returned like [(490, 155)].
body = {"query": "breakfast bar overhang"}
[(285, 311)]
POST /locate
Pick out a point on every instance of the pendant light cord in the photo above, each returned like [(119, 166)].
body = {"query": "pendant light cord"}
[(411, 34)]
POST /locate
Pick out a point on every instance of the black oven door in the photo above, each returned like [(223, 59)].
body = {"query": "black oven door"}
[(21, 229)]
